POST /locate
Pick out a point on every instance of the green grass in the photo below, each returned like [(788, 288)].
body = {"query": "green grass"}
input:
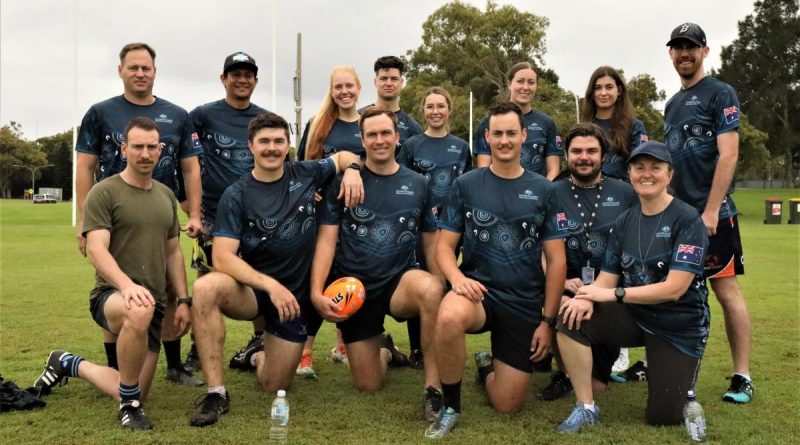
[(44, 286)]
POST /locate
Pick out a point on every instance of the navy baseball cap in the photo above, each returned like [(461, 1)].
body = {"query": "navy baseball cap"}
[(652, 148), (688, 31), (239, 60)]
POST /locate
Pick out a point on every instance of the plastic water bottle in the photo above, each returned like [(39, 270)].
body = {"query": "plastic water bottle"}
[(694, 418), (279, 419)]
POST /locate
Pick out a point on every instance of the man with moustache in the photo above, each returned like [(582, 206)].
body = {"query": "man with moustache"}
[(701, 124)]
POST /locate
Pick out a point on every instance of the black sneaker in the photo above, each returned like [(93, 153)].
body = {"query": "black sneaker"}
[(183, 376), (544, 365), (483, 366), (192, 363), (53, 373), (131, 415), (432, 402), (399, 360), (210, 408), (241, 360), (636, 373), (740, 391), (416, 359), (559, 386)]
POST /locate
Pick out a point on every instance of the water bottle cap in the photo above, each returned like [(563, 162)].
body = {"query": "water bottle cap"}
[(690, 395), (281, 393)]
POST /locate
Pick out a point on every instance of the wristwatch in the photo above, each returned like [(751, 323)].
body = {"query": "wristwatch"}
[(185, 300), (354, 165), (550, 320), (620, 294)]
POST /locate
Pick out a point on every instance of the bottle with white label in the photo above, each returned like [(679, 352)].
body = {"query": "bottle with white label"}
[(694, 418), (279, 419)]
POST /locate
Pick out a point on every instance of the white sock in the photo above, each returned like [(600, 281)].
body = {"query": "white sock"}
[(644, 362), (746, 376), (589, 407), (253, 358), (217, 389)]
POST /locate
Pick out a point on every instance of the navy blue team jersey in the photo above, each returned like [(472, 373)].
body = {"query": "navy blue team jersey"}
[(102, 130), (615, 165), (344, 136), (407, 126), (591, 243), (693, 119), (226, 157), (643, 249), (441, 160), (503, 223), (377, 239), (275, 222), (542, 141)]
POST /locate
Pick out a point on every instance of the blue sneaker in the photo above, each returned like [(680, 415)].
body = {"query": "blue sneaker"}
[(445, 421), (578, 418), (740, 391)]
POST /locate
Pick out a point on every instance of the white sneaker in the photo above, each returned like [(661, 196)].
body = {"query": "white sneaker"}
[(622, 361), (339, 355)]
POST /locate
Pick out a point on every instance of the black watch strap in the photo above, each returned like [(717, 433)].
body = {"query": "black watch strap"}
[(354, 165), (620, 294), (550, 320), (185, 300)]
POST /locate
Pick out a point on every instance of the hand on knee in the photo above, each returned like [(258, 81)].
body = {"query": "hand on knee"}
[(138, 318)]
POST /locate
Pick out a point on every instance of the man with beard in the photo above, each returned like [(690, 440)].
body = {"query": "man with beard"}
[(592, 202), (701, 124)]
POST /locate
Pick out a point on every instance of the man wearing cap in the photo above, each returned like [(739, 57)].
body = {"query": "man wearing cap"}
[(222, 127), (701, 124), (650, 292), (99, 141)]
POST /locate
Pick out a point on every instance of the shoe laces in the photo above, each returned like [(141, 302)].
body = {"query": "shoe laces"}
[(579, 414), (433, 399), (209, 401), (306, 361), (447, 418)]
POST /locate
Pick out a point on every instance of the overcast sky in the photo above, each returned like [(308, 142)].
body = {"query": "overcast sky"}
[(192, 38)]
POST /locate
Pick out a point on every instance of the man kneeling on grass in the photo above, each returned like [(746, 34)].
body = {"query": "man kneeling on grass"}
[(131, 227), (265, 231)]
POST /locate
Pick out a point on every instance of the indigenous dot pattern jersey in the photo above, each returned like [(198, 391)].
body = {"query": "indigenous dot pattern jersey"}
[(102, 130), (226, 156), (643, 249), (693, 119), (441, 160), (503, 223), (542, 141), (614, 164), (590, 243), (377, 239), (344, 136), (275, 222)]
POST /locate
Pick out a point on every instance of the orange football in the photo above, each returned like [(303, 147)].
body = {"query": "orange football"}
[(348, 293)]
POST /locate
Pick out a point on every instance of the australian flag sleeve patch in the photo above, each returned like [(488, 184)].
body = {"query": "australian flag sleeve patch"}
[(689, 254)]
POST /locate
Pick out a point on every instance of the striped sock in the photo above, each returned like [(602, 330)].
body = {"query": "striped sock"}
[(70, 363), (132, 392)]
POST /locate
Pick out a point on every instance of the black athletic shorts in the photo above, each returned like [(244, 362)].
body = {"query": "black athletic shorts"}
[(724, 257), (294, 331), (511, 334), (368, 321), (97, 302)]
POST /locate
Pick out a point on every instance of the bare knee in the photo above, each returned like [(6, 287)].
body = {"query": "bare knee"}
[(206, 291), (369, 385), (272, 384), (138, 318), (451, 321), (508, 405), (598, 386)]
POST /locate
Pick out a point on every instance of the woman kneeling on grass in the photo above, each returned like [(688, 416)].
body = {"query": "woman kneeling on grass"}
[(662, 303)]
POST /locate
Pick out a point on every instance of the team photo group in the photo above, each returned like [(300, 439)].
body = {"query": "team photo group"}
[(565, 267)]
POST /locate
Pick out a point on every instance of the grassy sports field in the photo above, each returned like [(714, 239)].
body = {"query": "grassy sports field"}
[(44, 285)]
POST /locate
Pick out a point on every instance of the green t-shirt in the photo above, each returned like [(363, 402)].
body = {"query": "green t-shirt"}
[(140, 221)]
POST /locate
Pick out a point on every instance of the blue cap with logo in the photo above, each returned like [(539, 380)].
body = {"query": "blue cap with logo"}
[(239, 60), (688, 31), (652, 148)]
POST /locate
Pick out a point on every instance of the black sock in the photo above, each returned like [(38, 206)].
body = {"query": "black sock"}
[(111, 354), (414, 328), (172, 351), (451, 394), (70, 364), (484, 372), (132, 392)]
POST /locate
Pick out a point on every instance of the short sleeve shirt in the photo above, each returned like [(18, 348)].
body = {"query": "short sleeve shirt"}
[(140, 222), (275, 222), (441, 160), (344, 136), (614, 164), (223, 132), (542, 141), (588, 235), (643, 249), (377, 239), (503, 223), (407, 126), (102, 128), (693, 119)]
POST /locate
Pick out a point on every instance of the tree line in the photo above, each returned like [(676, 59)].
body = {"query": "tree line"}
[(466, 49)]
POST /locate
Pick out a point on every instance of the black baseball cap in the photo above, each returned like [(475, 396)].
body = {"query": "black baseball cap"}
[(652, 148), (688, 31), (239, 60)]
